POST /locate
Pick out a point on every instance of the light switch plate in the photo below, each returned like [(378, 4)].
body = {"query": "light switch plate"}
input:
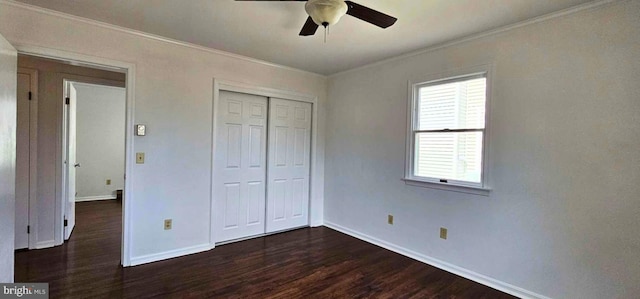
[(141, 130)]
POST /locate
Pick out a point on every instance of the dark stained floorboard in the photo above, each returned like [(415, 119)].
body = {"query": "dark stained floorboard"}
[(305, 263)]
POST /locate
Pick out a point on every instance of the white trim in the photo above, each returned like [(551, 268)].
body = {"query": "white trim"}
[(261, 235), (130, 70), (477, 277), (216, 97), (483, 188), (94, 198), (248, 88), (127, 196), (561, 13), (86, 84), (317, 223), (168, 254), (70, 229), (88, 21), (448, 187), (45, 244)]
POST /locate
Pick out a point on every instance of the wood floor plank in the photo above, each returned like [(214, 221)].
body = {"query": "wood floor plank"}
[(305, 263)]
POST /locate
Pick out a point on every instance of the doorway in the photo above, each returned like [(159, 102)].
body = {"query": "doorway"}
[(94, 145), (51, 221)]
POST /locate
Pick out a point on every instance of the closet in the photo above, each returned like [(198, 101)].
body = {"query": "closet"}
[(261, 165)]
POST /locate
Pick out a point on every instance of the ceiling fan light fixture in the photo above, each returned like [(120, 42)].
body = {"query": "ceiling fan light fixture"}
[(326, 12)]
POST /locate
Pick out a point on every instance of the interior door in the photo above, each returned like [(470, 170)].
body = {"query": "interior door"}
[(288, 164), (239, 175), (72, 164), (22, 161)]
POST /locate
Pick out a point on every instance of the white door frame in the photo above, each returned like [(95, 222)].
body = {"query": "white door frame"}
[(234, 86), (106, 64)]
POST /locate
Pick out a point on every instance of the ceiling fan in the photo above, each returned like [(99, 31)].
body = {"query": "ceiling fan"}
[(328, 12)]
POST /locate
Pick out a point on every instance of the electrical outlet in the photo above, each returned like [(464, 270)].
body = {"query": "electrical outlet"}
[(390, 219), (443, 233), (167, 224), (139, 158), (108, 181)]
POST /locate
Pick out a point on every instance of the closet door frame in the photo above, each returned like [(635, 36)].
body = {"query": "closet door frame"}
[(233, 86)]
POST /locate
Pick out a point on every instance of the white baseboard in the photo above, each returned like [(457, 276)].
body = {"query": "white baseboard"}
[(477, 277), (70, 229), (316, 224), (168, 254), (45, 244), (97, 197)]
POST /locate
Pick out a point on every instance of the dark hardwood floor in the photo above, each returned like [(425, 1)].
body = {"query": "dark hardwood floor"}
[(305, 263)]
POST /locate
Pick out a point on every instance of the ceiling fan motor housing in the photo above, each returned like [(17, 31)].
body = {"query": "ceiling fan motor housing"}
[(326, 12)]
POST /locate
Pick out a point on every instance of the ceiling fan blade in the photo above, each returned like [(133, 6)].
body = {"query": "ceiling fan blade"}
[(369, 15), (309, 28)]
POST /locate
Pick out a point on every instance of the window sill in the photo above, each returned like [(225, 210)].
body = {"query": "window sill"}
[(448, 187)]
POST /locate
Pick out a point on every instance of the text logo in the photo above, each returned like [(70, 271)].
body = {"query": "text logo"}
[(24, 290)]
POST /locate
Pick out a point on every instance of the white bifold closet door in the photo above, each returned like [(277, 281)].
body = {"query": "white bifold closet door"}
[(240, 169), (288, 164)]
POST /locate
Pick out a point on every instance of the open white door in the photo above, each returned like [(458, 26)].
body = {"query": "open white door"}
[(288, 164), (72, 164), (8, 79), (239, 169)]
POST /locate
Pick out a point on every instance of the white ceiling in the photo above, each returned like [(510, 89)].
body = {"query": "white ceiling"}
[(269, 30)]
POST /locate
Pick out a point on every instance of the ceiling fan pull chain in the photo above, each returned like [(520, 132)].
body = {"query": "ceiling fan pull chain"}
[(325, 35)]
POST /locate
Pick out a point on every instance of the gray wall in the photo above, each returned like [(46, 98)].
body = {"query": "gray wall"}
[(563, 216), (100, 128)]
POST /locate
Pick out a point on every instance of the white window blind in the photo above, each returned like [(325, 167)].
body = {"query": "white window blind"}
[(448, 130)]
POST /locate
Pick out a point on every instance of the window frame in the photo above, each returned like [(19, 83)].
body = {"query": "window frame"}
[(481, 188)]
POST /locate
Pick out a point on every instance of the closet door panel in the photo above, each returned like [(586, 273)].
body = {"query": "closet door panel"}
[(239, 166), (288, 164)]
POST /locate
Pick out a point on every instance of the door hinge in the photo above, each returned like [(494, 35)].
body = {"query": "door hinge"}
[(66, 223), (67, 100), (28, 229), (29, 96)]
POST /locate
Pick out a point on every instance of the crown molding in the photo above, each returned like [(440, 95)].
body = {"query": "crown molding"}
[(557, 14), (88, 21)]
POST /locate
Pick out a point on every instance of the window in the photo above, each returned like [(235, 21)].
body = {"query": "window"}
[(447, 131)]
